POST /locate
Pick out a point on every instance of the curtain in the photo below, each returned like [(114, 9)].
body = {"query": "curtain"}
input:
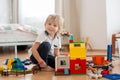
[(14, 13), (70, 11), (4, 11)]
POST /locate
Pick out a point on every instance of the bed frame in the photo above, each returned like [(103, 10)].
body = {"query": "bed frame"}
[(17, 38), (15, 44)]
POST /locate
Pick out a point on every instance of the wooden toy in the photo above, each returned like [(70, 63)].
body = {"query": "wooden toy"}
[(62, 65), (112, 76), (35, 69), (71, 39), (104, 72), (77, 50), (109, 52), (5, 73), (13, 67), (66, 71), (78, 66), (9, 64)]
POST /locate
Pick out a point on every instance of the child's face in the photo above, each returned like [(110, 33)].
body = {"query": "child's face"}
[(52, 27)]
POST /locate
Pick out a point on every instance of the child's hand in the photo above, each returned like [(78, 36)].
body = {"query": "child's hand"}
[(42, 64)]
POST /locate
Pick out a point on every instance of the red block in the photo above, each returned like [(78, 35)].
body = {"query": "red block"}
[(71, 41), (78, 66), (105, 72), (60, 70)]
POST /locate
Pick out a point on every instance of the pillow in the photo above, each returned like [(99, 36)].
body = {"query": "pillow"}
[(28, 28), (13, 27), (7, 27)]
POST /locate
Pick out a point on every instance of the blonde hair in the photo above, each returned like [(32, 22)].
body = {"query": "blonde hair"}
[(57, 18)]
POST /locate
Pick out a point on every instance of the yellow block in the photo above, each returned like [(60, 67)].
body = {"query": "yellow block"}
[(78, 50), (9, 65)]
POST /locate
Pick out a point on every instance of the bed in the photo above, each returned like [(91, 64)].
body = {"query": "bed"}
[(17, 34)]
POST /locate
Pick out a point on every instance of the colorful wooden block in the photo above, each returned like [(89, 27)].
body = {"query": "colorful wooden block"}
[(66, 71), (77, 50), (78, 66), (112, 76), (62, 62)]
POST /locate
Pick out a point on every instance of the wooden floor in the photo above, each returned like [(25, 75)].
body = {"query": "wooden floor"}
[(42, 75)]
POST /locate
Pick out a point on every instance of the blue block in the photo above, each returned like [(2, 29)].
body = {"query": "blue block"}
[(109, 52), (112, 76), (66, 71), (6, 62), (71, 37)]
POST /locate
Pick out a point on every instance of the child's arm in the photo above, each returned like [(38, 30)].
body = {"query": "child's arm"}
[(35, 53)]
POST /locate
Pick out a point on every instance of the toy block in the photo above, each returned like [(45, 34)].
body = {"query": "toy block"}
[(62, 65), (6, 61), (62, 62), (1, 68), (78, 66), (112, 76), (71, 37), (9, 64), (60, 70), (77, 50), (109, 52), (66, 71), (71, 41), (104, 72), (17, 65), (5, 73)]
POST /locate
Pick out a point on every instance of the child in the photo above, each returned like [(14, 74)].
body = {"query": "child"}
[(48, 43)]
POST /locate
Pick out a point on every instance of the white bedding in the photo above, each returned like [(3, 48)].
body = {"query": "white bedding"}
[(15, 34)]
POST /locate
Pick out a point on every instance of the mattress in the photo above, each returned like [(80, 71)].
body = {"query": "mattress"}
[(17, 36)]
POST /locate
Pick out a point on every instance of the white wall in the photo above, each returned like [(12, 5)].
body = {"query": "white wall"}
[(93, 22), (99, 19), (74, 19), (86, 18), (4, 11), (113, 17)]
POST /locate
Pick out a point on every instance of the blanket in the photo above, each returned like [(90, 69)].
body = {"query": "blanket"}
[(13, 27)]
